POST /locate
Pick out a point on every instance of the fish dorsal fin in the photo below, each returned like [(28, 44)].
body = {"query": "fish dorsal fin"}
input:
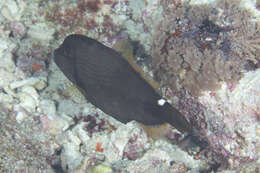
[(126, 49)]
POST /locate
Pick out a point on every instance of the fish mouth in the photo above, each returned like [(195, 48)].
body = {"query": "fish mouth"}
[(59, 52), (63, 60)]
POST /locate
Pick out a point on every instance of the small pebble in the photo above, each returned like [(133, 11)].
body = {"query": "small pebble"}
[(21, 116)]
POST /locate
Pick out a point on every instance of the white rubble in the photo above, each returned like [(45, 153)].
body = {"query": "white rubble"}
[(39, 82)]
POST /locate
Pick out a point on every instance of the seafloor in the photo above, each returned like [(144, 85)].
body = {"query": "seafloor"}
[(47, 125)]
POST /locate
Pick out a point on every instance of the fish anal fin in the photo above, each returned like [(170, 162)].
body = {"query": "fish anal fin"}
[(156, 132)]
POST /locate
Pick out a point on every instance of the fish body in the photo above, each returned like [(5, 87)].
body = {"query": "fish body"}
[(110, 83)]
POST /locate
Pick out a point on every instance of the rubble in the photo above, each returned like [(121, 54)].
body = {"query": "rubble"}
[(39, 83)]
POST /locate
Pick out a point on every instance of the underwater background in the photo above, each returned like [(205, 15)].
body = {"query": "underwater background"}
[(202, 57)]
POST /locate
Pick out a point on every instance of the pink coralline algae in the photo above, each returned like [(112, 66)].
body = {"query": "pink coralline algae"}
[(94, 123), (82, 17)]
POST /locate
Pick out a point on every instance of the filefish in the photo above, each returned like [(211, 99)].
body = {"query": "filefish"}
[(109, 82)]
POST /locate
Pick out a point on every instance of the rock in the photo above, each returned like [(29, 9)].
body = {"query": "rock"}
[(102, 169), (154, 161), (40, 83), (68, 107), (70, 156), (7, 62), (55, 124), (88, 165), (159, 158), (32, 92), (5, 98), (27, 102), (123, 138), (81, 133), (5, 78), (21, 116), (3, 46), (18, 29), (48, 107), (12, 10), (73, 138), (74, 93), (41, 31)]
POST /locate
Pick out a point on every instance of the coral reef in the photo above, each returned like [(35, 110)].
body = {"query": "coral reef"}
[(200, 46), (47, 125)]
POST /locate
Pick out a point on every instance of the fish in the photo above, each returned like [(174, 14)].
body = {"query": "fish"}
[(110, 83)]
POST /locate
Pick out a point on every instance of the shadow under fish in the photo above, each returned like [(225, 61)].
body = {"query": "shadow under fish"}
[(110, 83)]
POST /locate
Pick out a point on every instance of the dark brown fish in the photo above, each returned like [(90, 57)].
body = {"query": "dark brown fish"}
[(110, 83)]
